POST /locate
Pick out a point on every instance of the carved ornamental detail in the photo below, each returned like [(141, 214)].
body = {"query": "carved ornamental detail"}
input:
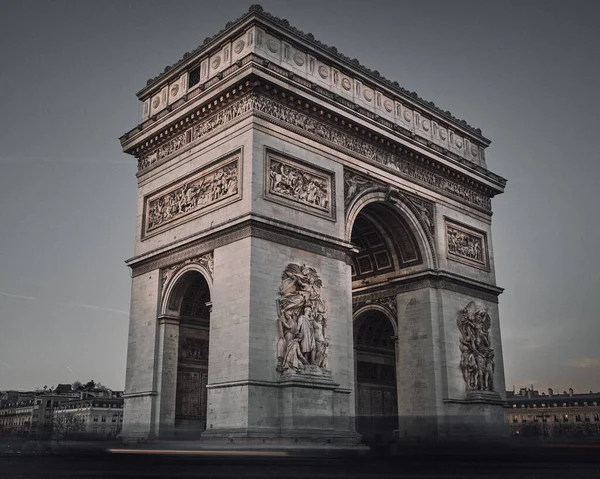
[(299, 185), (199, 131), (201, 192), (476, 353), (205, 260), (193, 349), (301, 321), (307, 125), (387, 302), (354, 184), (398, 164), (466, 245)]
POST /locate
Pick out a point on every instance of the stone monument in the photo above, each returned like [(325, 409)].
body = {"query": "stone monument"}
[(313, 258)]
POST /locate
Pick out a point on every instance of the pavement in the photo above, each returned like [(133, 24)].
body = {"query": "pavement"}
[(414, 461)]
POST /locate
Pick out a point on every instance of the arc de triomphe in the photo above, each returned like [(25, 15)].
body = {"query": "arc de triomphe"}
[(313, 255)]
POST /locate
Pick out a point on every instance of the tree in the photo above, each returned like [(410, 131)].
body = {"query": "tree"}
[(90, 384), (77, 386), (66, 424)]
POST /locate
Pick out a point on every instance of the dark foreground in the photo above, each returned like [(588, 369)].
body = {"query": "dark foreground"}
[(409, 461)]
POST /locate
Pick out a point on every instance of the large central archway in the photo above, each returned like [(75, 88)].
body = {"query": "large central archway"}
[(390, 244)]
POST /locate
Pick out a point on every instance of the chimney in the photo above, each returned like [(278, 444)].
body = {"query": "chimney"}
[(550, 392), (571, 392)]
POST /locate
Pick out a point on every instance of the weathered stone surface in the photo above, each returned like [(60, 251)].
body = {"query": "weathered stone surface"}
[(268, 206)]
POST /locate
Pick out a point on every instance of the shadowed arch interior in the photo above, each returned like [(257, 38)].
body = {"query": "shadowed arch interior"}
[(384, 241), (376, 387), (191, 299)]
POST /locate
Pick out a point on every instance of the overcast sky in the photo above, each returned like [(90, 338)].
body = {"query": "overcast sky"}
[(525, 72)]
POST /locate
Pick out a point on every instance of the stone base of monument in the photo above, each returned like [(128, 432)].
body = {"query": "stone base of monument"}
[(312, 411)]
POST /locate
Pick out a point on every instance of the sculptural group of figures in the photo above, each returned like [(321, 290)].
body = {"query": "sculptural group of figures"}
[(193, 195), (300, 185), (464, 244), (301, 320), (477, 356)]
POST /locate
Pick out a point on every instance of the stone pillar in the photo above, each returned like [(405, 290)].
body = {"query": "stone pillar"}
[(418, 363), (166, 372), (248, 396)]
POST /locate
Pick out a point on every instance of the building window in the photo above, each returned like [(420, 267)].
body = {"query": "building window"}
[(114, 418), (515, 419), (96, 418), (566, 418), (587, 418), (103, 418), (578, 417), (596, 417)]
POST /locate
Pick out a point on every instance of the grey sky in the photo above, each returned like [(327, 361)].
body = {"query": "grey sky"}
[(525, 72)]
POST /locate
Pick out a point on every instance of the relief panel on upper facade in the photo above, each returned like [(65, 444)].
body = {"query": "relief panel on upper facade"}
[(201, 192), (466, 245), (298, 185)]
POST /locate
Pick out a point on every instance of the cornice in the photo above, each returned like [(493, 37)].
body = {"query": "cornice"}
[(372, 148), (256, 14), (436, 279), (238, 229)]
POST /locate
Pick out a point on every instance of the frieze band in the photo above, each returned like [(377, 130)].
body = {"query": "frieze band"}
[(310, 126)]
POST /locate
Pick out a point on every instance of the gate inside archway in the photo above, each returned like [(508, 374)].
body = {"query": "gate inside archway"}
[(375, 369)]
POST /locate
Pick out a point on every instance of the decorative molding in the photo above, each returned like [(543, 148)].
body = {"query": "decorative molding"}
[(397, 164), (466, 245), (205, 260), (355, 184), (387, 302), (428, 279), (299, 185), (201, 192), (401, 165), (200, 131), (245, 229), (354, 63)]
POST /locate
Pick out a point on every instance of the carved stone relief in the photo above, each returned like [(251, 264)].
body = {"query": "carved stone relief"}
[(311, 126), (466, 245), (476, 353), (372, 153), (299, 185), (205, 260), (354, 184), (388, 302), (301, 321), (193, 349), (198, 131), (198, 192)]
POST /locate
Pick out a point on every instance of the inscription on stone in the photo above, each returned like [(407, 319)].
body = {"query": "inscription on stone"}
[(199, 193), (193, 349)]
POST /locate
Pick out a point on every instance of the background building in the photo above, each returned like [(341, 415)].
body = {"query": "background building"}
[(102, 417), (563, 415)]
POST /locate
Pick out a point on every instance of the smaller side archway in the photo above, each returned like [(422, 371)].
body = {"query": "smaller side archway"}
[(376, 395), (184, 344)]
